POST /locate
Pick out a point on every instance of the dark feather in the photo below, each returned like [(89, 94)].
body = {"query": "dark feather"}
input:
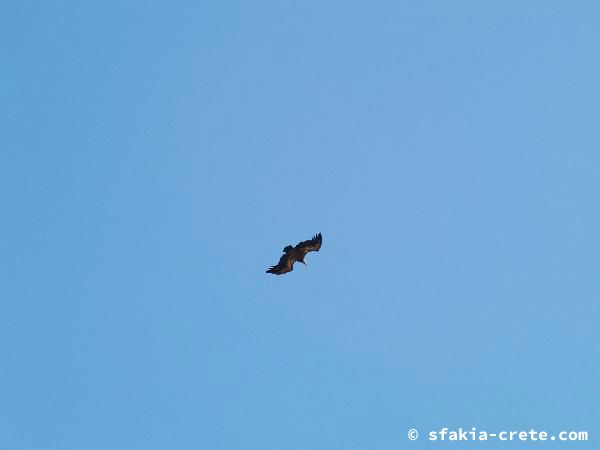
[(285, 265), (312, 245)]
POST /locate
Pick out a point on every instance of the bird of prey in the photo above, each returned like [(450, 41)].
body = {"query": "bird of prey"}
[(297, 253)]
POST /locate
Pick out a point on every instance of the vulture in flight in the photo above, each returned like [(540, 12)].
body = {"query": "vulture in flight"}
[(297, 253)]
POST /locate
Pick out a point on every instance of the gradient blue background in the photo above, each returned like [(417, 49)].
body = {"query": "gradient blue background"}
[(157, 156)]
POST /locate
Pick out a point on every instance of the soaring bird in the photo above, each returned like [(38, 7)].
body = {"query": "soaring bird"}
[(297, 253)]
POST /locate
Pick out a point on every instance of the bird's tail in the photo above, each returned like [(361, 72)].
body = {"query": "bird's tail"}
[(288, 248)]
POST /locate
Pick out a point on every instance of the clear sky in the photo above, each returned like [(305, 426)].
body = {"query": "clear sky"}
[(157, 156)]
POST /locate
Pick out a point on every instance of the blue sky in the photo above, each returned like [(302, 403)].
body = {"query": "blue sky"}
[(157, 156)]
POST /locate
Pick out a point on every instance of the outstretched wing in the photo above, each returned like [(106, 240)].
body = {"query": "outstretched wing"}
[(285, 265), (312, 245)]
